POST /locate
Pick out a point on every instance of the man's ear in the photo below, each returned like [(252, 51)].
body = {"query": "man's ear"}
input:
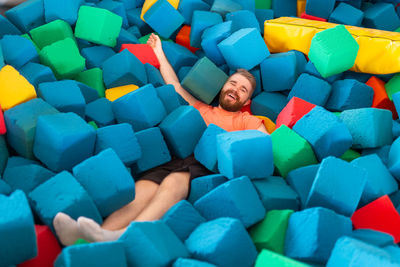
[(247, 102)]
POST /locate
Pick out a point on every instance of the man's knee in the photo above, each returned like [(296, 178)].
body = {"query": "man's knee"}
[(177, 183)]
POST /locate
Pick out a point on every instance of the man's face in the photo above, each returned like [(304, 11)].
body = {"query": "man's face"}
[(235, 93)]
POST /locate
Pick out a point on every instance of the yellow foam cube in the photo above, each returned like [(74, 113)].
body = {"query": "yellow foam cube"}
[(116, 92), (301, 7), (268, 123), (14, 88), (149, 3)]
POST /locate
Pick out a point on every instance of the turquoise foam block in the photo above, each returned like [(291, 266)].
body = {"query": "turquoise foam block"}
[(125, 37), (183, 72), (361, 77), (169, 97), (223, 242), (257, 74), (64, 10), (131, 4), (141, 108), (63, 140), (96, 55), (102, 254), (37, 73), (205, 151), (348, 180), (262, 15), (200, 21), (182, 218), (370, 127), (153, 75), (350, 251), (178, 56), (187, 7), (182, 129), (311, 69), (224, 6), (393, 251), (279, 71), (247, 5), (17, 230), (25, 176), (243, 19), (394, 159), (231, 203), (21, 123), (247, 152), (268, 104), (312, 233), (301, 61), (283, 8), (373, 237), (379, 180), (204, 80), (123, 69), (100, 111), (27, 15), (202, 185), (152, 244), (5, 189), (163, 18), (4, 154), (327, 135), (133, 16), (381, 16), (122, 139), (382, 152), (396, 101), (154, 149), (311, 89), (210, 39), (321, 9), (65, 96), (67, 196), (116, 7), (6, 27), (135, 31), (276, 194), (235, 49), (346, 14), (106, 179), (17, 51), (396, 129), (181, 262), (301, 180), (90, 94), (349, 94), (2, 64)]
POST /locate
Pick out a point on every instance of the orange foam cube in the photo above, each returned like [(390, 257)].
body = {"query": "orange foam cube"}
[(381, 99), (183, 38)]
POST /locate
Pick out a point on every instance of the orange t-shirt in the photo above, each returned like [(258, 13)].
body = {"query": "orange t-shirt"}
[(229, 121)]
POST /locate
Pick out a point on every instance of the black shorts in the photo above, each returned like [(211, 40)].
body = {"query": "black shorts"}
[(189, 164)]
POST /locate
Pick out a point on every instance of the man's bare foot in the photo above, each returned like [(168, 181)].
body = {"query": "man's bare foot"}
[(155, 42), (66, 229), (92, 231)]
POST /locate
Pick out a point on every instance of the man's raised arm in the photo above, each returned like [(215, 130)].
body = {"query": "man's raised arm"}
[(167, 72)]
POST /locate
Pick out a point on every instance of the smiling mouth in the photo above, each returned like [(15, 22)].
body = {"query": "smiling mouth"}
[(231, 96)]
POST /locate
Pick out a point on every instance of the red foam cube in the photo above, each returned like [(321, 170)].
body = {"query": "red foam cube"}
[(293, 111), (379, 215), (183, 38), (381, 99), (306, 16), (48, 248), (3, 129), (143, 52)]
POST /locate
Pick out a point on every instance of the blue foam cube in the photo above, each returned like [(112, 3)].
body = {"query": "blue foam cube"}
[(188, 7), (27, 15), (348, 180), (163, 18), (117, 7), (21, 124), (202, 185), (231, 203), (3, 154), (210, 39), (311, 89), (279, 71), (153, 75), (141, 108), (200, 21), (17, 51), (283, 8), (100, 111), (181, 262), (396, 129), (396, 101), (394, 159), (311, 69), (223, 242), (90, 94), (224, 6), (312, 233), (381, 16), (346, 14), (370, 127), (64, 10), (125, 37), (96, 55), (243, 19), (36, 73), (122, 139), (152, 244), (262, 15), (101, 254), (154, 149), (64, 95), (382, 152), (67, 196), (268, 104), (178, 56), (123, 69), (276, 194), (169, 97), (6, 27), (182, 218), (235, 49), (135, 31), (373, 237), (133, 16), (321, 9), (63, 140), (17, 230), (301, 61), (106, 179), (5, 189)]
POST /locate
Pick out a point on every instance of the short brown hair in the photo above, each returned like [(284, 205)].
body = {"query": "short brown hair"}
[(248, 76)]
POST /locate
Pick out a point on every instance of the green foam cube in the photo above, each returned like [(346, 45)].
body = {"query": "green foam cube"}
[(51, 32), (98, 25), (393, 86), (349, 155), (271, 259), (63, 58), (290, 150), (329, 56), (93, 78), (145, 38), (263, 4), (270, 233)]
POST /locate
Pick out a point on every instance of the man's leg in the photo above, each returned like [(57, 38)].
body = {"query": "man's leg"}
[(144, 192)]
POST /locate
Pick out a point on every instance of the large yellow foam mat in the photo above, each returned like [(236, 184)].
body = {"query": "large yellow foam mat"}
[(379, 51)]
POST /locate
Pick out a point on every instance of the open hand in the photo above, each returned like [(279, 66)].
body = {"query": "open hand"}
[(155, 43)]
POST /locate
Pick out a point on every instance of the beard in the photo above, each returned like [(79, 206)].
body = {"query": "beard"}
[(227, 105)]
